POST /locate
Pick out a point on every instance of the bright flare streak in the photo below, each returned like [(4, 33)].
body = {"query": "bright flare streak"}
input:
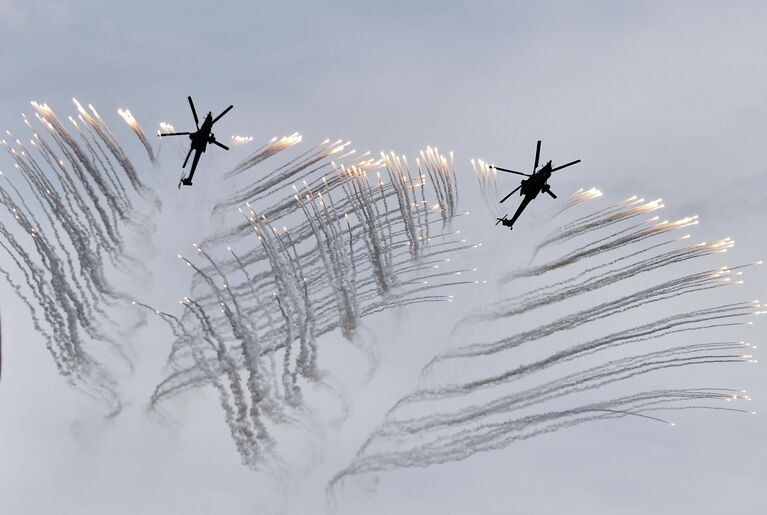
[(165, 128), (126, 115), (242, 140)]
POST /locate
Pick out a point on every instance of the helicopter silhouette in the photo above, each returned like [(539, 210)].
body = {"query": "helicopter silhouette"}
[(531, 187), (200, 139)]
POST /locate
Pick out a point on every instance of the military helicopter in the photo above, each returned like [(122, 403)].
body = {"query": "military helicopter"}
[(200, 139), (532, 186)]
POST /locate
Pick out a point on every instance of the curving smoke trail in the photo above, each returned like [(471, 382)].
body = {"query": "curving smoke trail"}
[(358, 244), (589, 281), (624, 210), (488, 187), (72, 197), (702, 281), (468, 441), (576, 199), (625, 237), (129, 119), (272, 147), (451, 421)]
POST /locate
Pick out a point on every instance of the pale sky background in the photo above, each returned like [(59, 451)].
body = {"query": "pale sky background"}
[(661, 99)]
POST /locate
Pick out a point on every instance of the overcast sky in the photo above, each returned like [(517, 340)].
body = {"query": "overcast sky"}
[(662, 99)]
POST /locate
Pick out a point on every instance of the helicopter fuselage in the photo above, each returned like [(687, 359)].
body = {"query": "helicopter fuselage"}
[(537, 182), (532, 186), (201, 138)]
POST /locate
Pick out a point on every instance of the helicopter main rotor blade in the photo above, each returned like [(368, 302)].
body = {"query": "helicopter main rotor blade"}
[(537, 155), (510, 194), (566, 165), (163, 134), (222, 114), (194, 113), (509, 171), (220, 145), (187, 158)]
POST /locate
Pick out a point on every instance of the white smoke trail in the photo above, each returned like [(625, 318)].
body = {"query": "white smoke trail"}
[(355, 247), (423, 429), (129, 119), (69, 209), (486, 175)]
